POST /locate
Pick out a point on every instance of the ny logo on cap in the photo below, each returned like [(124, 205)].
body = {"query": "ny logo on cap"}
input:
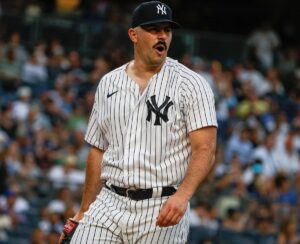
[(161, 9)]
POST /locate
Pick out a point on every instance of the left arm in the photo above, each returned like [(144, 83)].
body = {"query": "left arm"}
[(203, 143)]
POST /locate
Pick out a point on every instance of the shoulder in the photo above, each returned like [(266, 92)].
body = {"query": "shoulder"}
[(113, 73), (187, 76), (110, 76)]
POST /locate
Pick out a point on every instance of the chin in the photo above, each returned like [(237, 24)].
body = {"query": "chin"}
[(159, 60)]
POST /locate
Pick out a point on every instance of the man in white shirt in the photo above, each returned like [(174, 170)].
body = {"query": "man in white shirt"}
[(153, 136)]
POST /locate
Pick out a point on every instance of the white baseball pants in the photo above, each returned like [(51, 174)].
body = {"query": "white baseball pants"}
[(116, 219)]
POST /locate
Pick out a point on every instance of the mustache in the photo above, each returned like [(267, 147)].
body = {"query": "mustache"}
[(160, 43)]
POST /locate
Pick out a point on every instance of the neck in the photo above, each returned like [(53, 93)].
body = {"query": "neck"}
[(139, 68), (141, 73)]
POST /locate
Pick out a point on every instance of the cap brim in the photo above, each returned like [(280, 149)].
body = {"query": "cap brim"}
[(173, 24)]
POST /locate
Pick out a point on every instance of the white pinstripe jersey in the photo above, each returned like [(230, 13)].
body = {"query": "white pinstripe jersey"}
[(145, 135)]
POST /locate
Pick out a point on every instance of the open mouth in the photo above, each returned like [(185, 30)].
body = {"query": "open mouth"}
[(160, 48)]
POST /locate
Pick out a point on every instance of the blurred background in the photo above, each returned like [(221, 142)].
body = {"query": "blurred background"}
[(53, 54)]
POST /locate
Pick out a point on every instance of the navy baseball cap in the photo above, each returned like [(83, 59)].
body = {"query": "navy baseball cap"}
[(153, 12)]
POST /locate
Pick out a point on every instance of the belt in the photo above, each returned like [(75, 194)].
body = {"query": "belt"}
[(140, 194)]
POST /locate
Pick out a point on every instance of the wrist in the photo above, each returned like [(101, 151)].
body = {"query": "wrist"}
[(78, 216), (184, 193)]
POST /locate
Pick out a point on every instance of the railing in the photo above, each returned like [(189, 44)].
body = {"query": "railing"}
[(90, 38)]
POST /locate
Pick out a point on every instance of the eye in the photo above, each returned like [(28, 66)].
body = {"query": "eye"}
[(154, 29)]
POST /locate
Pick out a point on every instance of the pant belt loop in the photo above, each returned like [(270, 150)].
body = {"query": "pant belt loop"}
[(157, 191), (108, 185)]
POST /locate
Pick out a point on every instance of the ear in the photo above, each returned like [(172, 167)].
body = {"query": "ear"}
[(132, 35)]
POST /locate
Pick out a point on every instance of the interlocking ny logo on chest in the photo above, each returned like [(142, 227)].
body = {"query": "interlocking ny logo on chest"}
[(160, 112)]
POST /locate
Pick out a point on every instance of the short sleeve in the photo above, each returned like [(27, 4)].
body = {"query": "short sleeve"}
[(199, 104), (94, 136)]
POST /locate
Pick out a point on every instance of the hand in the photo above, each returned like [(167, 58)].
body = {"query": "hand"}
[(172, 211), (69, 228)]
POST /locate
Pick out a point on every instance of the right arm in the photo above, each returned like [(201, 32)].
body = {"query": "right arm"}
[(92, 185), (96, 138)]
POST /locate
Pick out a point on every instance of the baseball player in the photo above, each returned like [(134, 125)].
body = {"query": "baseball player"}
[(152, 132)]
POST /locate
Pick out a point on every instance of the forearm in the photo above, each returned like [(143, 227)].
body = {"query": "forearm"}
[(203, 142), (200, 164), (92, 184)]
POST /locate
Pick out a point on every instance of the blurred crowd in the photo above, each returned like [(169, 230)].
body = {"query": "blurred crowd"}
[(254, 187), (45, 99), (46, 95)]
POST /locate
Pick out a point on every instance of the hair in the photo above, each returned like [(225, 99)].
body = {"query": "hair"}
[(279, 179)]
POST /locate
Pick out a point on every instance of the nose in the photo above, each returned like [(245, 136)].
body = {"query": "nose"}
[(162, 34)]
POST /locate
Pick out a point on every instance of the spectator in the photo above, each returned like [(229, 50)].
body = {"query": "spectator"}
[(288, 232), (62, 200), (21, 107), (9, 71), (7, 125), (250, 74), (74, 69), (36, 119), (56, 49), (287, 156), (34, 73), (275, 87), (30, 172), (265, 224), (251, 104), (15, 205), (235, 220), (67, 174), (204, 223), (17, 48), (284, 193), (265, 153), (263, 44), (53, 237), (38, 237), (239, 144), (40, 52), (13, 158)]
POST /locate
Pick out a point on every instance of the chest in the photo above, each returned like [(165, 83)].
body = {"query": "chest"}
[(154, 104)]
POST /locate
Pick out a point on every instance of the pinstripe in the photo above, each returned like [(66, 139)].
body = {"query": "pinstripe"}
[(115, 126), (148, 213), (139, 153), (203, 94), (152, 217), (159, 232), (160, 137), (127, 226), (203, 86), (94, 212), (131, 161), (139, 224)]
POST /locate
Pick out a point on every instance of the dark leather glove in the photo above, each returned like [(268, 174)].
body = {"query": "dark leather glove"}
[(69, 229)]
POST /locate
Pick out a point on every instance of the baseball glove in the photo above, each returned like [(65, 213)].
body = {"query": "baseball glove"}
[(69, 229)]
